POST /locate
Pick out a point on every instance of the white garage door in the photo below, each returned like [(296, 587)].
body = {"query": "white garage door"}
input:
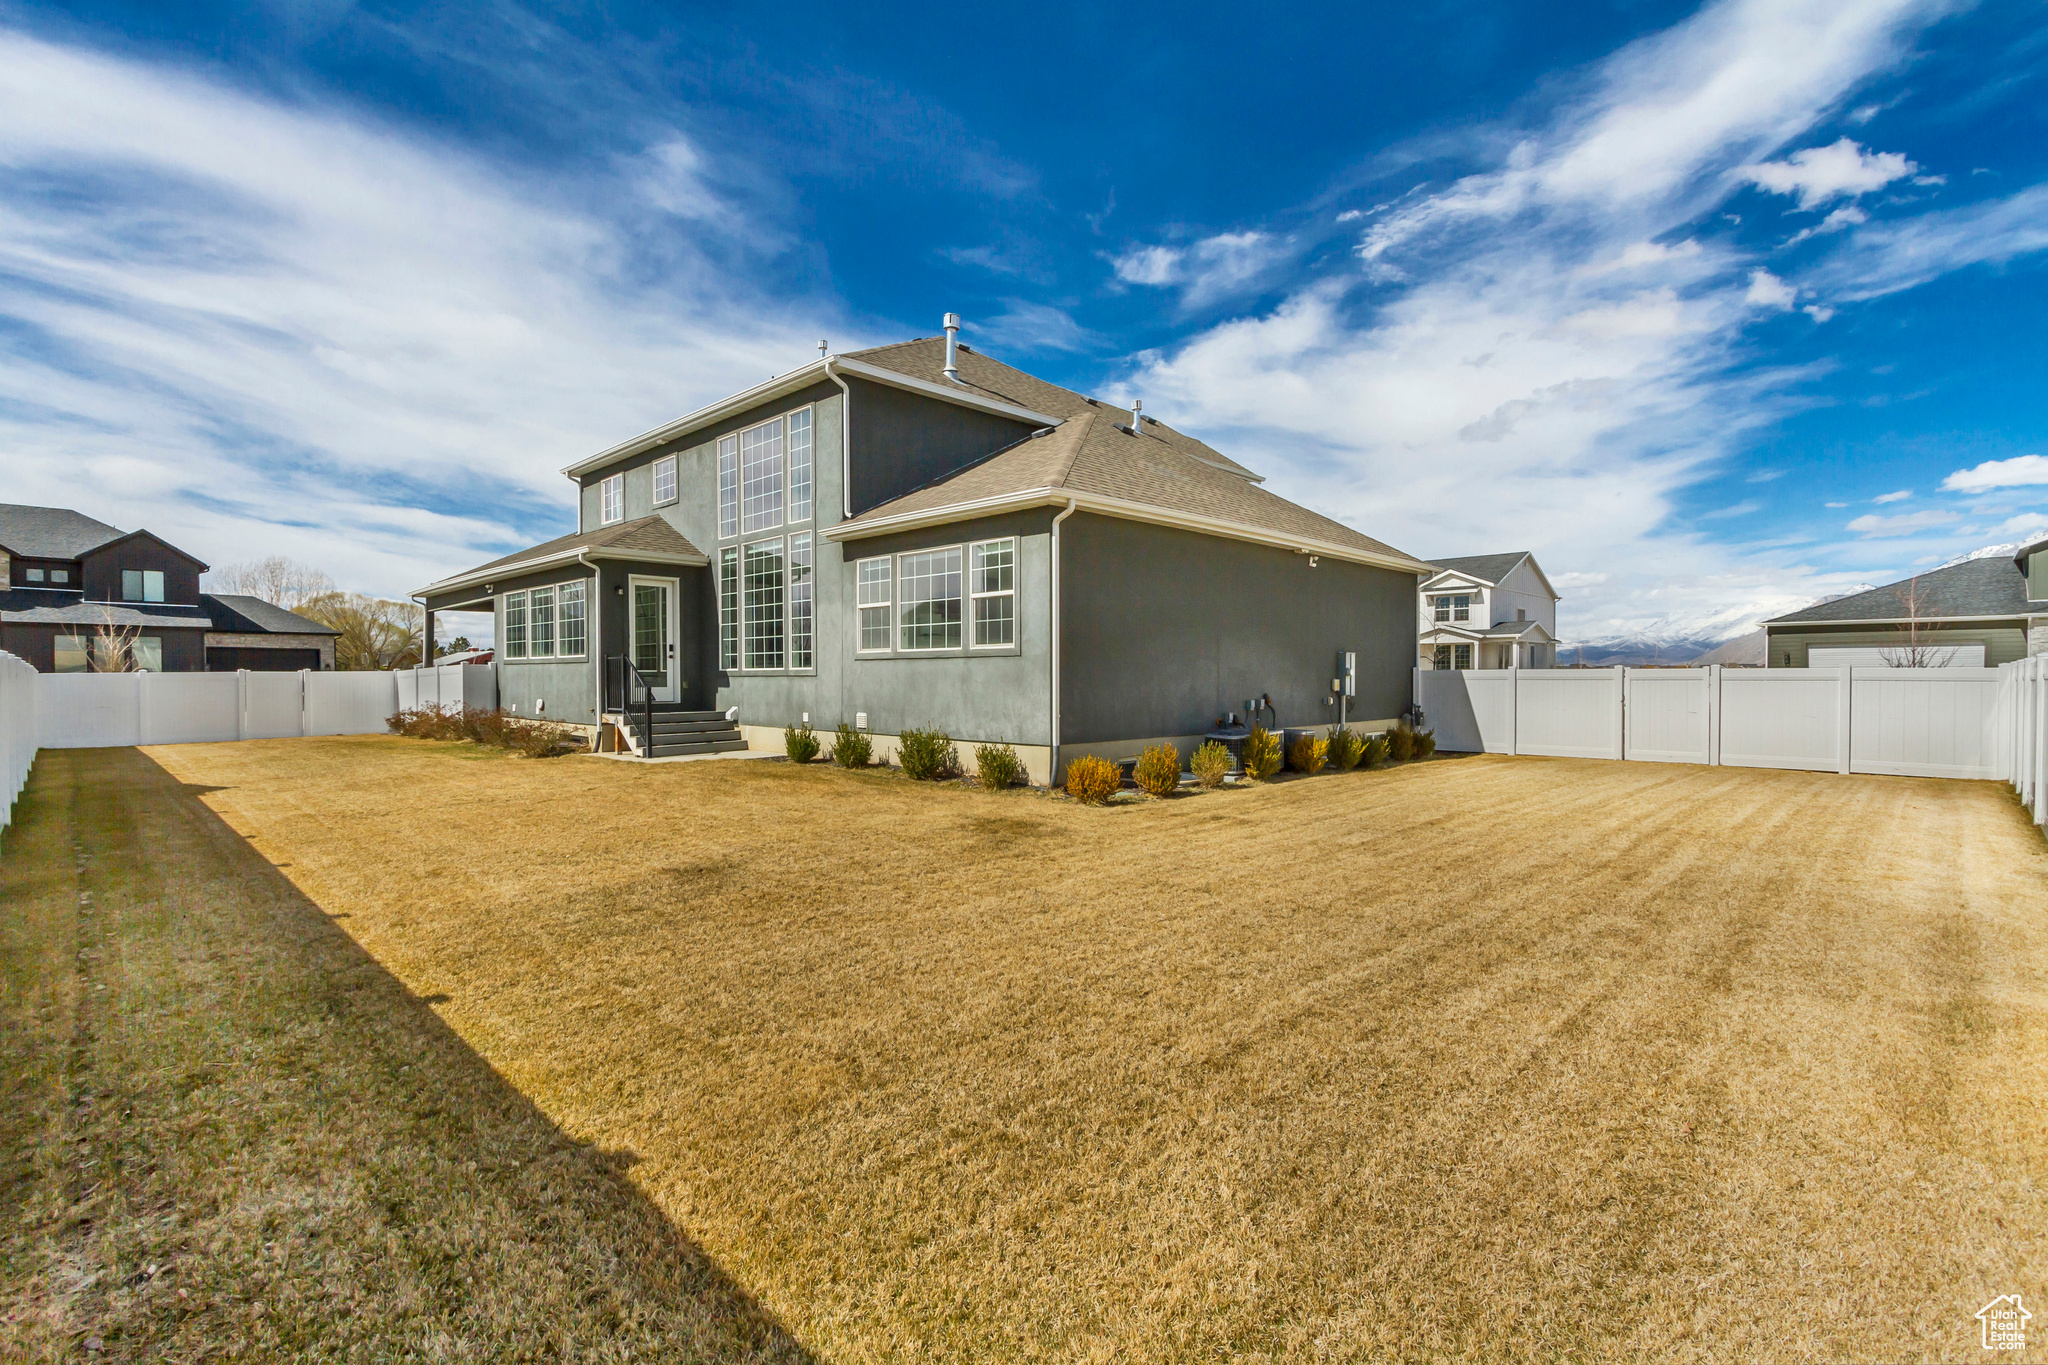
[(1941, 656)]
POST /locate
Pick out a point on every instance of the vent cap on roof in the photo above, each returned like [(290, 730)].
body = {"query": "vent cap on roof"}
[(952, 326)]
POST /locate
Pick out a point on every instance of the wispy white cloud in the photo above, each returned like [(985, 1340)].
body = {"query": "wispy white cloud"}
[(257, 327), (1841, 220), (2022, 471), (1901, 253), (1027, 326), (1543, 351), (1210, 269), (1900, 496), (1905, 524), (1819, 174)]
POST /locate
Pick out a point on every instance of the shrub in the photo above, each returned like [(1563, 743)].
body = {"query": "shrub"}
[(1346, 748), (1158, 770), (851, 748), (1211, 764), (1400, 744), (800, 742), (998, 766), (498, 729), (1373, 752), (927, 755), (1093, 780), (1261, 754), (1425, 744), (1308, 755)]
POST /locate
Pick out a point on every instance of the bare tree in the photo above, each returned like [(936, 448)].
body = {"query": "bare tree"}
[(1919, 651), (113, 645), (280, 581), (375, 632)]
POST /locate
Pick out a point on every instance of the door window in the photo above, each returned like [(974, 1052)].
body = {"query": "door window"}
[(650, 630)]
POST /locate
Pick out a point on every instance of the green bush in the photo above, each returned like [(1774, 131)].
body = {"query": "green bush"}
[(998, 766), (1425, 744), (1346, 748), (1261, 754), (1308, 755), (1211, 764), (1158, 770), (800, 742), (927, 755), (851, 748), (1373, 753), (1093, 780), (1400, 744)]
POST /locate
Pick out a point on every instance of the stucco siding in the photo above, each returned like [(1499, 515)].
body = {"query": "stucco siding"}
[(1165, 630), (903, 440)]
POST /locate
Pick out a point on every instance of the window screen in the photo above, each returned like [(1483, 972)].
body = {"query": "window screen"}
[(994, 590), (569, 630), (800, 605), (761, 477), (928, 600), (800, 465), (761, 605), (729, 609), (874, 604), (728, 486)]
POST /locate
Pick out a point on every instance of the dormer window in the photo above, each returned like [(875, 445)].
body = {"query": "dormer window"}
[(142, 585)]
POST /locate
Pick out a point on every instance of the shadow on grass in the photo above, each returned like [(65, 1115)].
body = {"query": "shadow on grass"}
[(241, 1134)]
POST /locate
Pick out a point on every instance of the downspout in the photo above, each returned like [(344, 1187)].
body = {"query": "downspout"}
[(845, 442), (1052, 773), (595, 611)]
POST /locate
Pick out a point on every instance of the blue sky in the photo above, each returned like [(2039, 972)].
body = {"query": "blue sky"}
[(1718, 308)]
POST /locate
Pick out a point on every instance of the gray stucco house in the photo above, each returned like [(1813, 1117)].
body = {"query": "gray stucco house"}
[(1987, 612), (918, 536)]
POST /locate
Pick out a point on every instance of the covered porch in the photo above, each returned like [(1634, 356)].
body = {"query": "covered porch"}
[(1511, 644)]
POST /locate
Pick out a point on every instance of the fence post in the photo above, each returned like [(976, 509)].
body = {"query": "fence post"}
[(1842, 731), (1620, 711), (241, 703), (1514, 710), (141, 708), (1713, 715)]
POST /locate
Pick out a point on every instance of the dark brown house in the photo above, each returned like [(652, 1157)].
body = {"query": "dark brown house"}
[(74, 592)]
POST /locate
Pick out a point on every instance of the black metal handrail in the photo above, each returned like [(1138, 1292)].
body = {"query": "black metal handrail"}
[(629, 677)]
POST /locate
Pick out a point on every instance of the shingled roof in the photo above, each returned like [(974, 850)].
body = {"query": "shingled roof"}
[(1976, 587), (1486, 568), (649, 536), (1094, 456), (51, 532)]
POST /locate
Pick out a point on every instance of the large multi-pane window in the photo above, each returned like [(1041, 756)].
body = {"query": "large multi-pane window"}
[(801, 589), (664, 480), (994, 590), (515, 625), (800, 465), (570, 634), (728, 486), (611, 499), (928, 599), (729, 608), (761, 604), (761, 477), (540, 623), (874, 604)]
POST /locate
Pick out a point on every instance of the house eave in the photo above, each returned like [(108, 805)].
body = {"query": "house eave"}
[(1125, 511), (526, 566), (1925, 622), (814, 372)]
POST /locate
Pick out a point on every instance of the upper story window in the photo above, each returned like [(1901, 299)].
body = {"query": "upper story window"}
[(60, 575), (664, 481), (1454, 607), (32, 575), (611, 499), (142, 585), (765, 475), (1521, 613)]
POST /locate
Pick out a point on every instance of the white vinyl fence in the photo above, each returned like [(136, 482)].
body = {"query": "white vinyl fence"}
[(17, 730), (1987, 723)]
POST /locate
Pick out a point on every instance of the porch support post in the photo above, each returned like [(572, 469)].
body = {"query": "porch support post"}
[(427, 637)]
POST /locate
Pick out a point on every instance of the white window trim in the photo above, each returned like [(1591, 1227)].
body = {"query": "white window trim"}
[(674, 482), (729, 618), (783, 667), (555, 636), (505, 628), (887, 605), (788, 522), (974, 595), (611, 499), (789, 585), (896, 633)]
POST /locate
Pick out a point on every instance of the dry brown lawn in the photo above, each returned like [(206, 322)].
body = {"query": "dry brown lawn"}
[(1476, 1059)]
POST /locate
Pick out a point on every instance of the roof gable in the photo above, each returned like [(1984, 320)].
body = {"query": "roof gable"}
[(150, 536), (1489, 569), (650, 536)]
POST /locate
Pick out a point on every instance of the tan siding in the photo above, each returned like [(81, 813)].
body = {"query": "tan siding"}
[(2003, 641)]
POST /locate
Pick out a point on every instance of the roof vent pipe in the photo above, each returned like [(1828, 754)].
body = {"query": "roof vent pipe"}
[(1137, 417), (952, 326)]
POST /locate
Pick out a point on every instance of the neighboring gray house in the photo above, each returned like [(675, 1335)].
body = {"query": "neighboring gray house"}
[(1981, 612), (913, 537), (1488, 611)]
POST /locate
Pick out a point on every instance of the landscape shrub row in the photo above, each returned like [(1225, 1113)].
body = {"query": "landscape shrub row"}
[(924, 755), (481, 725)]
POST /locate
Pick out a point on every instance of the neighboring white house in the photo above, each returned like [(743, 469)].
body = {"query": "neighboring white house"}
[(1488, 611)]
